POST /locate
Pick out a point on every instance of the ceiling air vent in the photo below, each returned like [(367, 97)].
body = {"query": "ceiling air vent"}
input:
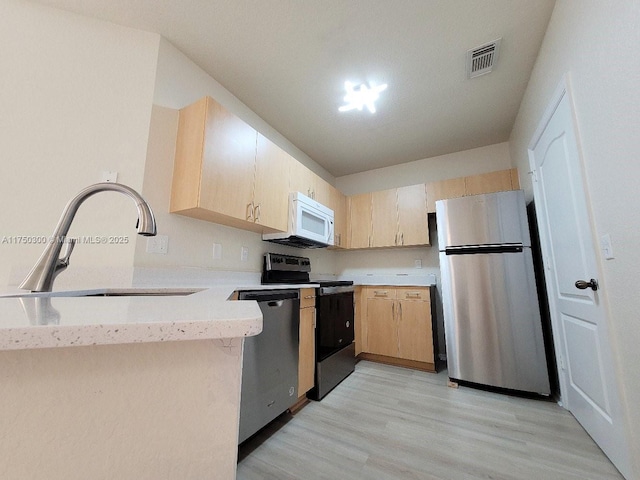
[(482, 59)]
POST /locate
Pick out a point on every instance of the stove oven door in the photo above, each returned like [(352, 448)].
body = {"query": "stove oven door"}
[(334, 323)]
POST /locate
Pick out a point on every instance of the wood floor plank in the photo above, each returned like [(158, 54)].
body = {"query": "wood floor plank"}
[(385, 422)]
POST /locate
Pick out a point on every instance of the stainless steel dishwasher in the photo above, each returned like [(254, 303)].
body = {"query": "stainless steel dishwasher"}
[(270, 360)]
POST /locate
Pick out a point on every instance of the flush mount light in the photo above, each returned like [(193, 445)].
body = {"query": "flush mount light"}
[(361, 96)]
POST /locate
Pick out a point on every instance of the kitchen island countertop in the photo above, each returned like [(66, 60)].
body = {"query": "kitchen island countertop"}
[(34, 321)]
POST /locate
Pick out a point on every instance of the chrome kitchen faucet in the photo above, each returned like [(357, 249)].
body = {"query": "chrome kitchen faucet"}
[(50, 264)]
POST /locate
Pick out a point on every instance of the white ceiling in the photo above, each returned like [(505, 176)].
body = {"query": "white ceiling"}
[(288, 60)]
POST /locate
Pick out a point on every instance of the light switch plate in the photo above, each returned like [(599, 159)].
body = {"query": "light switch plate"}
[(606, 247), (244, 254), (217, 251)]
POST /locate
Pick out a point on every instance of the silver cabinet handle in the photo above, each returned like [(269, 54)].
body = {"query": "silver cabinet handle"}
[(250, 212), (380, 293), (257, 211), (583, 285)]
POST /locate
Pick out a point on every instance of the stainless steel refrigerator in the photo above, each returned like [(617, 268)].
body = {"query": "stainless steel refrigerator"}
[(492, 321)]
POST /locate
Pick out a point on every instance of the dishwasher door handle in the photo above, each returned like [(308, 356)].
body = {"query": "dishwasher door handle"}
[(275, 303)]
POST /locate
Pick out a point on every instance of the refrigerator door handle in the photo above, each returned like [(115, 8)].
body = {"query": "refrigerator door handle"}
[(484, 249)]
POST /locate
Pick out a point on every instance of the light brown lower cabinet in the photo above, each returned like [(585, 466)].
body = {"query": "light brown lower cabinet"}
[(307, 348), (396, 326)]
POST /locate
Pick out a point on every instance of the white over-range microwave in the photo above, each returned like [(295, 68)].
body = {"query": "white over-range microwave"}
[(310, 224)]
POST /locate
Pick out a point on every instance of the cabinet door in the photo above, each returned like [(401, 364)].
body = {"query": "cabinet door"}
[(322, 191), (187, 166), (271, 191), (382, 327), (415, 338), (228, 163), (307, 354), (359, 221), (488, 182), (338, 203), (301, 179), (451, 188), (515, 179), (384, 215), (413, 227)]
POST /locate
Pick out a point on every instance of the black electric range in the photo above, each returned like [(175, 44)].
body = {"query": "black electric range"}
[(335, 350)]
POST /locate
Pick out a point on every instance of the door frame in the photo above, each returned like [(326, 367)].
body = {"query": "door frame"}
[(564, 90)]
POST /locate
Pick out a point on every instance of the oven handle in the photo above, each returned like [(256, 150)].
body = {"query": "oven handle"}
[(335, 290)]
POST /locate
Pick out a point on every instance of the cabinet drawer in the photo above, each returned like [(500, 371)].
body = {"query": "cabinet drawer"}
[(381, 292), (307, 297), (407, 293)]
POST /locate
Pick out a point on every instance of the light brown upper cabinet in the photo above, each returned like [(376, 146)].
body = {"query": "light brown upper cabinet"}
[(472, 185), (303, 180), (338, 203), (398, 218), (450, 188), (488, 182), (271, 194), (359, 220), (384, 218), (413, 226), (226, 172)]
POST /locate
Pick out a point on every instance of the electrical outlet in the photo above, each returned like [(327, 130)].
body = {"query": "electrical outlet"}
[(417, 263), (158, 244), (244, 254), (217, 251), (106, 176)]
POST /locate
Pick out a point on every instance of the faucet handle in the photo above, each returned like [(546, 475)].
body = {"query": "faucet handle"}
[(66, 255)]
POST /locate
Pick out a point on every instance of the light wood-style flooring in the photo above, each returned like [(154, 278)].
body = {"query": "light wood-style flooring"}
[(387, 422)]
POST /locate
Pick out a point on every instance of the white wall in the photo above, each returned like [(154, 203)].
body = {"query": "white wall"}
[(76, 99), (459, 164), (597, 44), (180, 82)]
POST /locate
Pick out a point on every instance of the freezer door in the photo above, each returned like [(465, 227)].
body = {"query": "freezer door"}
[(492, 321), (493, 218)]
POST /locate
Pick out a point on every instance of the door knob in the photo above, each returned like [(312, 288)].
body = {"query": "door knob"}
[(583, 285)]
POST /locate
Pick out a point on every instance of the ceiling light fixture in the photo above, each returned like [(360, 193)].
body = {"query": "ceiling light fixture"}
[(362, 96)]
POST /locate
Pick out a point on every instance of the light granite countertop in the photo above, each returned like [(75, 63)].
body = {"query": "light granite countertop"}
[(145, 314), (36, 321)]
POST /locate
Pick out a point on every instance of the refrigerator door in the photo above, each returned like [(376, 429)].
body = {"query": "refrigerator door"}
[(492, 321), (493, 218)]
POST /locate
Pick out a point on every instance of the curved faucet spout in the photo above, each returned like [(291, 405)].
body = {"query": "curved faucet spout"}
[(41, 277)]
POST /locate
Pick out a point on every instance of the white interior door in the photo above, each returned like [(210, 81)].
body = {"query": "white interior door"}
[(586, 370)]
